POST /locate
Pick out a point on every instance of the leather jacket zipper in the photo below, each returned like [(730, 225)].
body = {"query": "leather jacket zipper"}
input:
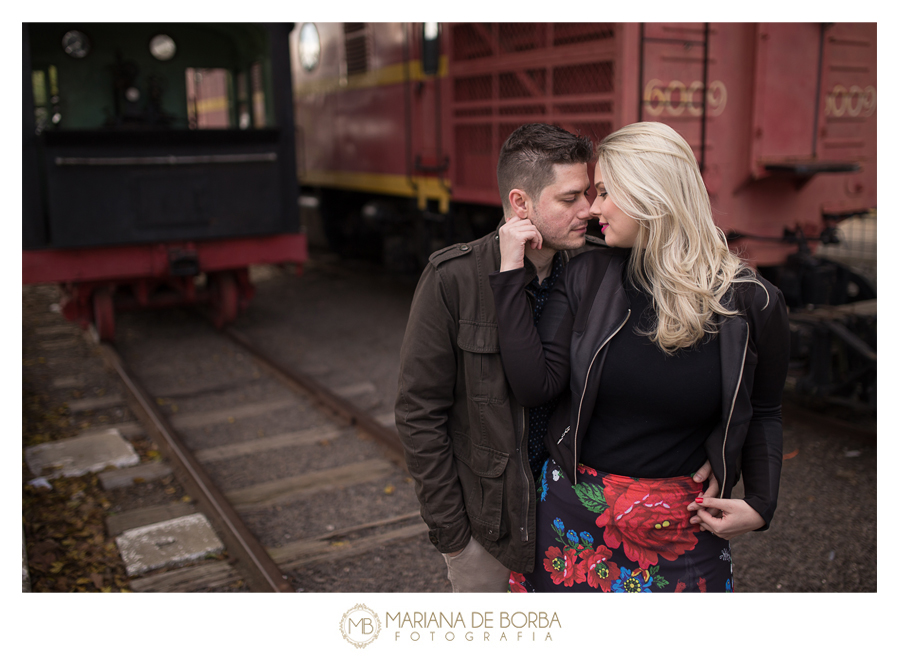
[(583, 391), (730, 413)]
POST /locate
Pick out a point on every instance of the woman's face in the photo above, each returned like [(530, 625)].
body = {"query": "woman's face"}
[(619, 229)]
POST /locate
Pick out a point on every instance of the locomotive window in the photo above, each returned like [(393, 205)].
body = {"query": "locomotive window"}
[(243, 100), (209, 98), (259, 95), (76, 44), (310, 46), (45, 92), (162, 47)]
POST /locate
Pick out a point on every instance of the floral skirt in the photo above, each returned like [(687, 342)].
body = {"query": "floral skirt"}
[(612, 533)]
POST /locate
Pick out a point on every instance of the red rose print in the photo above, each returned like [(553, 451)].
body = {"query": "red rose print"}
[(586, 469), (649, 521), (561, 565), (597, 570), (516, 582)]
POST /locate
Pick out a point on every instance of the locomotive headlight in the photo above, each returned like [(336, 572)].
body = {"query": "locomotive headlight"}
[(76, 44), (430, 31), (310, 46), (162, 47)]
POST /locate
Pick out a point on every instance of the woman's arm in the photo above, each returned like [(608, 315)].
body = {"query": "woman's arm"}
[(761, 456), (537, 371)]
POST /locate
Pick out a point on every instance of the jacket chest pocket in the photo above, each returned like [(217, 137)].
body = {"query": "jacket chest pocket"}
[(479, 343)]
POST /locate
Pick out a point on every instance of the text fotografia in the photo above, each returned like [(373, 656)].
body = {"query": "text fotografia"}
[(479, 626)]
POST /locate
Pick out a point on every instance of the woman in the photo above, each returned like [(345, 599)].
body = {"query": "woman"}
[(667, 350)]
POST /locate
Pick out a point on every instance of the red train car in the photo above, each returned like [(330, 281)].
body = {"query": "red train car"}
[(399, 126), (782, 116), (158, 164)]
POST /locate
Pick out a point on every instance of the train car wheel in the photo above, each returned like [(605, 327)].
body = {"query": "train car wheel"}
[(224, 298), (104, 314)]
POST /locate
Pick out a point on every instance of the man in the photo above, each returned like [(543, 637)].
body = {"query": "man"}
[(472, 449), (466, 438)]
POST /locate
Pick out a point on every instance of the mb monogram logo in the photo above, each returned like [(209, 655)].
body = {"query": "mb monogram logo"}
[(360, 626)]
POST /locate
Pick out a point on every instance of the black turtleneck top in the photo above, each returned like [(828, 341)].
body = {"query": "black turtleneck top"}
[(653, 410)]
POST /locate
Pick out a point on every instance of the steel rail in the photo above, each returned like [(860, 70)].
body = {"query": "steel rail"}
[(388, 438), (262, 572)]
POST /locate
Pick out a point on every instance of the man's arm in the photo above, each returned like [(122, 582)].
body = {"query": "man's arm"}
[(428, 370)]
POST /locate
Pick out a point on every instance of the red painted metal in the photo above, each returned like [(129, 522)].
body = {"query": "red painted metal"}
[(104, 313), (503, 75), (153, 260), (98, 281), (759, 103), (224, 298)]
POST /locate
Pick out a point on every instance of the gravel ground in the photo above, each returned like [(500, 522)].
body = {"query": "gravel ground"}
[(223, 377), (67, 544)]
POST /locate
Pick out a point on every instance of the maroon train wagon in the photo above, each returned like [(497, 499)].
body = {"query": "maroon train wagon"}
[(397, 122), (399, 126)]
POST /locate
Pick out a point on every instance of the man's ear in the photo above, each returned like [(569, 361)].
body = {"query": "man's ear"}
[(520, 202)]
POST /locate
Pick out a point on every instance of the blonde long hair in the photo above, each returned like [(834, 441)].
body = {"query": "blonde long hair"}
[(680, 256)]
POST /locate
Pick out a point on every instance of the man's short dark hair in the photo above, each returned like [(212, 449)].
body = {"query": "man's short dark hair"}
[(529, 153)]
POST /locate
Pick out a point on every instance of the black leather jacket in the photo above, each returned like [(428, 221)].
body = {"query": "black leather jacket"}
[(589, 306)]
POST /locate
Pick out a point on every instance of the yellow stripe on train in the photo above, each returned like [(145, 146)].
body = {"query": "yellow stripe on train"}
[(422, 188), (389, 75)]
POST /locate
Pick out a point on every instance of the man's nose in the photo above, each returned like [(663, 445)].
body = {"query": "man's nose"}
[(584, 209)]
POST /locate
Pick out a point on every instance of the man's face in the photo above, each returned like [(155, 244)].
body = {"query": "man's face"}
[(562, 210)]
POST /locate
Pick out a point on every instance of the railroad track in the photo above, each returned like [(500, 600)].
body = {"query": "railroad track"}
[(306, 490)]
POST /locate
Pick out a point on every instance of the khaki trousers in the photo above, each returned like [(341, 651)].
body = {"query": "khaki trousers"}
[(476, 570)]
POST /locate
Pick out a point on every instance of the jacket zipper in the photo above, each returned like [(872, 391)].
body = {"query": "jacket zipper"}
[(522, 459), (731, 411), (583, 391)]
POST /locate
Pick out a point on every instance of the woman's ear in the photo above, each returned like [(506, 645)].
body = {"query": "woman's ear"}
[(520, 202)]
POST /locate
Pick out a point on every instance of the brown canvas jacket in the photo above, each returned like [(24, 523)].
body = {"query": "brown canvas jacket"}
[(463, 433)]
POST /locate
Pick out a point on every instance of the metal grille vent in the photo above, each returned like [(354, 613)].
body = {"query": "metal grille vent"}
[(524, 84), (519, 37), (590, 78), (474, 88), (472, 41), (568, 33), (507, 74), (356, 45)]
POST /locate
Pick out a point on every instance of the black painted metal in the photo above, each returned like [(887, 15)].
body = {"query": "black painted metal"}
[(144, 179)]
